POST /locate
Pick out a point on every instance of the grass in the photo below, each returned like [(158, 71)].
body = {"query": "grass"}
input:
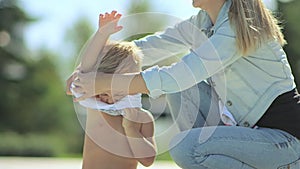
[(161, 157), (50, 145), (164, 157)]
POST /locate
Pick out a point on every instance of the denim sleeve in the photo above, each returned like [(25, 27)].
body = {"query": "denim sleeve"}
[(173, 41), (211, 57)]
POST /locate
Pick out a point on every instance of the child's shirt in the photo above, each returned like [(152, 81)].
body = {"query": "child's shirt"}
[(129, 101)]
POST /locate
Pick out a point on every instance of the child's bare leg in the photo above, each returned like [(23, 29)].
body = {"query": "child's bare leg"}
[(105, 145)]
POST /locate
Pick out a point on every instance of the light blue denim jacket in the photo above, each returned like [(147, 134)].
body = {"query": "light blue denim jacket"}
[(247, 85)]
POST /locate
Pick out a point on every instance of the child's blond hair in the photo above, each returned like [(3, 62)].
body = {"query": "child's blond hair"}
[(120, 57)]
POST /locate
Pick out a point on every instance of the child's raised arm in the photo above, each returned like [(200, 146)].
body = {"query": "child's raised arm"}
[(108, 24), (139, 128)]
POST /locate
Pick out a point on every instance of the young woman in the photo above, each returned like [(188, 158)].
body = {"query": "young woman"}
[(239, 74)]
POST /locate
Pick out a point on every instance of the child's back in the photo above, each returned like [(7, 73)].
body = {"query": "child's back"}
[(107, 144)]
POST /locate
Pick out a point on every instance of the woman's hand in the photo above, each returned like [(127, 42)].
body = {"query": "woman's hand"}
[(70, 80), (85, 85)]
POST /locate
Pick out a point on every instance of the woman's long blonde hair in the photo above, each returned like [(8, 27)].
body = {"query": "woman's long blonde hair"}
[(254, 24)]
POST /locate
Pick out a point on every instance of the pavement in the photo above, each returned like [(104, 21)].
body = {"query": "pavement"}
[(63, 163)]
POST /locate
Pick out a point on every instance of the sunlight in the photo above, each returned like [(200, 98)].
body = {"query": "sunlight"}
[(4, 38)]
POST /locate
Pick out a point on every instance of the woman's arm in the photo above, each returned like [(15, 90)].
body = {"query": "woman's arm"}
[(173, 41), (211, 57), (127, 84), (207, 59)]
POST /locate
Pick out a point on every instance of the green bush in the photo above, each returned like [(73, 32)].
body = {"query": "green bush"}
[(164, 157), (13, 144)]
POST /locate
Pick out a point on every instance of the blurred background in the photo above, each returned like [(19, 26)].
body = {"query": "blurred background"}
[(39, 44)]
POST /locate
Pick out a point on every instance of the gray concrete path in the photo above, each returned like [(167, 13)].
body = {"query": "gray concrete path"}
[(62, 163)]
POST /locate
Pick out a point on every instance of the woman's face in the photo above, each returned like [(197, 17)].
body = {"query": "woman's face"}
[(204, 4)]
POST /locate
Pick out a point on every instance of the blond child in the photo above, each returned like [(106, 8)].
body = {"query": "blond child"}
[(119, 134)]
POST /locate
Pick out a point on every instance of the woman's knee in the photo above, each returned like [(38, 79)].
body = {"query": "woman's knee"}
[(183, 149), (200, 148), (192, 148), (180, 150)]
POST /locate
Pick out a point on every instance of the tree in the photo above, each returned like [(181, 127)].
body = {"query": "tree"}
[(290, 16), (33, 98), (14, 66), (138, 12)]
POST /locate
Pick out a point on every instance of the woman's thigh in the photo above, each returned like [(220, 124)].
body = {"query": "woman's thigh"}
[(195, 107), (242, 147)]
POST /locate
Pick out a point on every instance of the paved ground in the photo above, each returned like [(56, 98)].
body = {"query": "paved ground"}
[(54, 163)]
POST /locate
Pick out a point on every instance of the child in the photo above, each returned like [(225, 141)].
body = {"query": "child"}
[(119, 134)]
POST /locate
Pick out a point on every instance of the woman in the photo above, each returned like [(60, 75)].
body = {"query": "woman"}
[(240, 75)]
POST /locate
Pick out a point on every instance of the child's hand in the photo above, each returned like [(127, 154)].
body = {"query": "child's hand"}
[(108, 22)]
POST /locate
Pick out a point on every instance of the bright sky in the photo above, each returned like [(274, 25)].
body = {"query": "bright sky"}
[(56, 16)]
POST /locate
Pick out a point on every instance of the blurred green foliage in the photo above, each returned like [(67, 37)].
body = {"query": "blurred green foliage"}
[(46, 145), (164, 157), (36, 117), (290, 18)]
